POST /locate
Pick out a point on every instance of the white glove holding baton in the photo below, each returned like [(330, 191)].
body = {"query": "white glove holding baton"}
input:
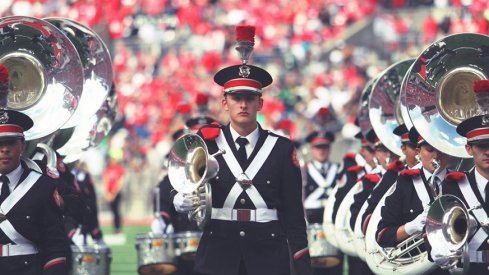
[(416, 225)]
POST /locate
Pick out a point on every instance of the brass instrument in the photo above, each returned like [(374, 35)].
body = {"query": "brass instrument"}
[(190, 168)]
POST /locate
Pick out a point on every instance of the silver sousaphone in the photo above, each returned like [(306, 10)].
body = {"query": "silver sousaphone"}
[(190, 168), (46, 74)]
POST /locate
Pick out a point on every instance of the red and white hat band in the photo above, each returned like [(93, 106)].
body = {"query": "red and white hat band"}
[(478, 134), (405, 137), (242, 84), (10, 129), (377, 142), (420, 139), (320, 140)]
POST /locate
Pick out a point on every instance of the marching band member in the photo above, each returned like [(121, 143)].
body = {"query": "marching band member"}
[(383, 157), (320, 179), (471, 187), (257, 215), (409, 150), (31, 224), (404, 212), (352, 174), (168, 216)]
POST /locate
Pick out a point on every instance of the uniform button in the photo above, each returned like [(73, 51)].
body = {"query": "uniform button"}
[(28, 217), (273, 234), (217, 178), (268, 181), (311, 188), (210, 233), (242, 201), (411, 211), (26, 262), (242, 233)]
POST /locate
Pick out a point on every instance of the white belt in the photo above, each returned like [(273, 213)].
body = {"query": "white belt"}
[(479, 256), (17, 249), (244, 215)]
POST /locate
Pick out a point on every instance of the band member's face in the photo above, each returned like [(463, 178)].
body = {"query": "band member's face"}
[(384, 156), (242, 107), (427, 153), (480, 153), (10, 152), (368, 155), (409, 151), (320, 152)]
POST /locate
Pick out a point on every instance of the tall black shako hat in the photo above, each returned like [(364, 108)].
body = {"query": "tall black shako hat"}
[(243, 78), (476, 129), (13, 124), (373, 139)]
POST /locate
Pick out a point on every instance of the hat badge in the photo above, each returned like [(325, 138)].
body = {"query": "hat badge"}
[(3, 117)]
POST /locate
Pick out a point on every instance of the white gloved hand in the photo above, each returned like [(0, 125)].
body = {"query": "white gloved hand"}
[(185, 202), (78, 239), (158, 226), (416, 225), (438, 257)]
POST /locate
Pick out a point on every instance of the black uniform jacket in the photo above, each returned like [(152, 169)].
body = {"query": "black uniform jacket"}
[(402, 206), (38, 218), (179, 221), (262, 247), (369, 181), (315, 215), (451, 187), (385, 183), (352, 175)]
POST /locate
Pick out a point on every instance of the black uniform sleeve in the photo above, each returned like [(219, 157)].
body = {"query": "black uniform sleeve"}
[(167, 210), (53, 242), (391, 214), (293, 217)]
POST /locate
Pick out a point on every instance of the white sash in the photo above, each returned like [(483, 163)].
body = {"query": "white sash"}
[(480, 214), (251, 171), (314, 201), (11, 201), (421, 191)]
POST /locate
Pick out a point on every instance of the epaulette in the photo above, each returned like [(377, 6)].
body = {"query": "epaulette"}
[(350, 155), (355, 169), (372, 178), (455, 176), (397, 165), (211, 131), (410, 172)]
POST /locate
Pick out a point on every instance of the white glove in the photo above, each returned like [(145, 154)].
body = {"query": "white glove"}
[(100, 242), (185, 202), (438, 257), (158, 226), (416, 225), (78, 239)]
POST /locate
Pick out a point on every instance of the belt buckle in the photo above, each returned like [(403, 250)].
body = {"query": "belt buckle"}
[(243, 215)]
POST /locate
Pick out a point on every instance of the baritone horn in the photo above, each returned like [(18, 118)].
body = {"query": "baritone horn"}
[(190, 168)]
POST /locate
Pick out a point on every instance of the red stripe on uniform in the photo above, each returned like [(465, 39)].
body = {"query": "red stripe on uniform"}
[(54, 262), (301, 253), (478, 132), (381, 233)]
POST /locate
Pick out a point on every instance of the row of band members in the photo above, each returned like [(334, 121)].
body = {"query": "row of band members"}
[(405, 210)]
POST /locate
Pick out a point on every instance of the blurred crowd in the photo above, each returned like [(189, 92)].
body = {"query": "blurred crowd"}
[(165, 53)]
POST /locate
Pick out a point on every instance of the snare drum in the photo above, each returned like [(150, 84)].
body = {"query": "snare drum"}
[(323, 254), (186, 244), (156, 253), (90, 260)]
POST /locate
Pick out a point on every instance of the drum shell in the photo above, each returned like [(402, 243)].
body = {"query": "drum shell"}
[(156, 253), (322, 253), (186, 244), (90, 260)]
